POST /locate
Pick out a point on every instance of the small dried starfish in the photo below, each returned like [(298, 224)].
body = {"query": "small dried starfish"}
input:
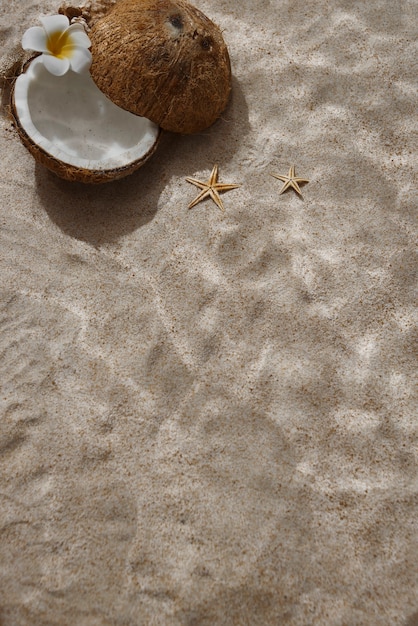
[(291, 181), (211, 188)]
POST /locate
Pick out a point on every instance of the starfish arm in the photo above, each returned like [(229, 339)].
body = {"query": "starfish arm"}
[(222, 187), (198, 183), (287, 184), (296, 187), (284, 179), (217, 199), (213, 176), (200, 197), (301, 180)]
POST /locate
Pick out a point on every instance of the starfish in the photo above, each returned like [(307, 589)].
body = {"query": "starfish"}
[(211, 188), (291, 181)]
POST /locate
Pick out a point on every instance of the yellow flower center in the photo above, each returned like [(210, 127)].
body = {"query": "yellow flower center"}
[(59, 44)]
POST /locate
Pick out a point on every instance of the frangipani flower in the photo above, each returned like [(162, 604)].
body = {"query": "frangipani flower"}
[(62, 46)]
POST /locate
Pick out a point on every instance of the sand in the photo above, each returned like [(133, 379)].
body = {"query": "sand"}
[(209, 418)]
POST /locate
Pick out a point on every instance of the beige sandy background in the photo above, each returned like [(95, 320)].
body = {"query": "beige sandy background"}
[(209, 418)]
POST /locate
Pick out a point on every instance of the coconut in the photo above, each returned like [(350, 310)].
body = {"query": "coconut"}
[(73, 129), (163, 60)]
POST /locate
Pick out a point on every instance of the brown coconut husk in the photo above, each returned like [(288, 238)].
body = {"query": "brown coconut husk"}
[(71, 172), (164, 60)]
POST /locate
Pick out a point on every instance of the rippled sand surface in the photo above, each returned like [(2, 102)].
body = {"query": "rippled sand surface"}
[(207, 418)]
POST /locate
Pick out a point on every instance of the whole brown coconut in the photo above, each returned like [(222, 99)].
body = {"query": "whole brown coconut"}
[(164, 60)]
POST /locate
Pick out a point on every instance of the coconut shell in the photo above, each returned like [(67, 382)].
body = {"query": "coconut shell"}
[(163, 60)]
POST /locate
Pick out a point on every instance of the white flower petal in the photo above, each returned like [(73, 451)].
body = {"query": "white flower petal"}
[(55, 23), (56, 66), (80, 60), (78, 37), (34, 39)]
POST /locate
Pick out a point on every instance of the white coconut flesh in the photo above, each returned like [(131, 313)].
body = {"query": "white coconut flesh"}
[(73, 121)]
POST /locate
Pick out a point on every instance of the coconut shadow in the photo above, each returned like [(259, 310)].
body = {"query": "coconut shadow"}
[(100, 214)]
